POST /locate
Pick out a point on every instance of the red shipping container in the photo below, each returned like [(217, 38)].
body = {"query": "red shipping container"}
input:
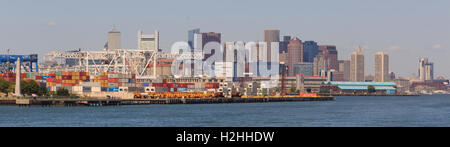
[(66, 84), (50, 79), (66, 73), (113, 80), (156, 84), (66, 77)]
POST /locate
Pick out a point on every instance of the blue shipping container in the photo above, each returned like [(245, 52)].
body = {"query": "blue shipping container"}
[(113, 89)]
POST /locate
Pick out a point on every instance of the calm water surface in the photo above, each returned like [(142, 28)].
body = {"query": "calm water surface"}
[(345, 111)]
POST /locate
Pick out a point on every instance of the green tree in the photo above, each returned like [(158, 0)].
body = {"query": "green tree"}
[(29, 88), (62, 92), (324, 91), (293, 88), (42, 90), (4, 85), (12, 87), (371, 89)]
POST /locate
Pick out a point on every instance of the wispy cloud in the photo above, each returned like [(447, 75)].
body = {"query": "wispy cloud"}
[(437, 46), (395, 48), (51, 23)]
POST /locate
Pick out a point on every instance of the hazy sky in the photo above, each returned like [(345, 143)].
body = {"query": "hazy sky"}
[(406, 29)]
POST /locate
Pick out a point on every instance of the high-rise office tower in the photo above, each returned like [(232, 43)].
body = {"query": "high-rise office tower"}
[(191, 35), (148, 41), (113, 39), (320, 63), (357, 66), (294, 56), (201, 39), (212, 40), (382, 67), (331, 56), (191, 41), (426, 69), (344, 68), (284, 44), (310, 50), (269, 37)]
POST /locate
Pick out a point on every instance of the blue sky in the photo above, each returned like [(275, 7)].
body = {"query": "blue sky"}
[(406, 29)]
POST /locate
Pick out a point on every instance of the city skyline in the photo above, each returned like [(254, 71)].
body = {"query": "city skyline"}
[(377, 27)]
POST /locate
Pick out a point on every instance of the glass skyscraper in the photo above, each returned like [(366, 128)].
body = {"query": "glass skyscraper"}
[(310, 50)]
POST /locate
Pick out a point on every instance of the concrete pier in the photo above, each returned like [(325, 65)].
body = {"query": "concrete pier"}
[(117, 102)]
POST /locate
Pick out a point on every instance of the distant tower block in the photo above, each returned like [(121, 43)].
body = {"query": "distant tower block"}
[(18, 71), (114, 39), (148, 41)]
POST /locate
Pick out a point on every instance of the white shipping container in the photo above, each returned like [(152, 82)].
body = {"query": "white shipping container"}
[(90, 84), (96, 89), (53, 88), (113, 76), (77, 88), (123, 80), (199, 85)]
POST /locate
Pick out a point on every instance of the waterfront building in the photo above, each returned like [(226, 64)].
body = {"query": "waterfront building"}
[(294, 56), (114, 39), (403, 85), (381, 67), (360, 87), (426, 70), (357, 66), (309, 84), (148, 41), (310, 50), (304, 68)]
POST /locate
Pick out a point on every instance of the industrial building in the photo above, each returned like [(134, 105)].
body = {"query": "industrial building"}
[(360, 87)]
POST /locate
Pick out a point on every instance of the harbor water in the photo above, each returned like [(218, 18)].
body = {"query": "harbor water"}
[(346, 111)]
